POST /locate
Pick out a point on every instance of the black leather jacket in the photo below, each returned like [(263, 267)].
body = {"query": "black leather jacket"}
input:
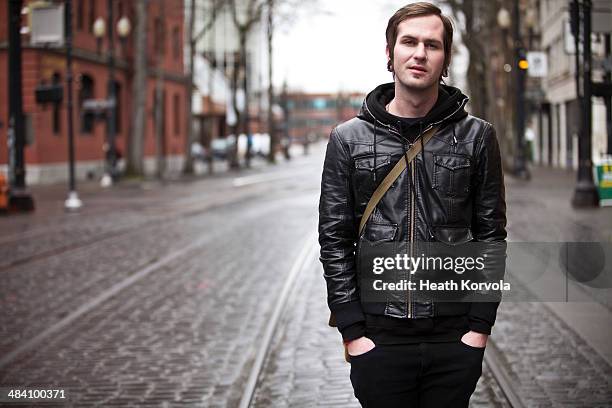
[(453, 192)]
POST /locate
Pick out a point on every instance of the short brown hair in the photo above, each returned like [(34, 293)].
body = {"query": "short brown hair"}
[(420, 9)]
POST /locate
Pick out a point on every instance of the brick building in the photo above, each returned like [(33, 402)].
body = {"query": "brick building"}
[(312, 116), (46, 154)]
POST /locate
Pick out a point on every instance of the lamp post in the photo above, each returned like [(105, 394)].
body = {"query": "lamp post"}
[(585, 194), (73, 202), (19, 198), (123, 29), (99, 30), (520, 165)]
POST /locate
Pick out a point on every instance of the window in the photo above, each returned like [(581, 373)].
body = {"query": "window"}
[(92, 14), (162, 113), (159, 36), (79, 15), (176, 43), (177, 114), (56, 121), (86, 92)]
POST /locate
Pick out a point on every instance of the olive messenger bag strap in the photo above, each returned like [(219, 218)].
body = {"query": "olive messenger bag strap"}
[(380, 191), (392, 176)]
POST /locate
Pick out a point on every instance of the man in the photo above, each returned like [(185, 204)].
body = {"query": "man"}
[(407, 351)]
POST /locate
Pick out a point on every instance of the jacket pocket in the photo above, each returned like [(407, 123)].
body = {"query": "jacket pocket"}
[(452, 174), (364, 172), (379, 233), (366, 162), (452, 236)]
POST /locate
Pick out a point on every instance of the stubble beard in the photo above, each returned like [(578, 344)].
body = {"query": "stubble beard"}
[(411, 83)]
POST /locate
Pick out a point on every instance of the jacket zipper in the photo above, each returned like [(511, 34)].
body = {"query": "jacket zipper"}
[(411, 246)]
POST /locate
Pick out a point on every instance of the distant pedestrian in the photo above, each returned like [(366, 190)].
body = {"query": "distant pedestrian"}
[(407, 351)]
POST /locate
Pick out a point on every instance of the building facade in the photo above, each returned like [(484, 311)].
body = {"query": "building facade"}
[(557, 121), (46, 153)]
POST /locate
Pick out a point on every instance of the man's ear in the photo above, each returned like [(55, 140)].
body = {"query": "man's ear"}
[(389, 65)]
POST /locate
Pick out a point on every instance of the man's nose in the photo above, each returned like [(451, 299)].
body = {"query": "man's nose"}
[(420, 53)]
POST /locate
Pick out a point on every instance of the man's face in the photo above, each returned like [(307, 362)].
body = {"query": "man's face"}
[(418, 57)]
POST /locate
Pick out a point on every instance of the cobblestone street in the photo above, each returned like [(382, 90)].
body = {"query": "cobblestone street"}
[(158, 295)]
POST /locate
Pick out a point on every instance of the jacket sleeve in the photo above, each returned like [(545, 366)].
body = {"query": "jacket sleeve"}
[(337, 237), (489, 228)]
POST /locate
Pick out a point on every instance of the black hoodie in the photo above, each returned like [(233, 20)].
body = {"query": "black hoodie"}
[(448, 107)]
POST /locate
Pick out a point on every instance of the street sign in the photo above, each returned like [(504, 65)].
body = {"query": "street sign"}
[(601, 16), (601, 89), (47, 24), (603, 177), (98, 105), (49, 93), (538, 64)]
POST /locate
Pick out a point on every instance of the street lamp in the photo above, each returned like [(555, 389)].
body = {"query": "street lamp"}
[(99, 30), (123, 29), (503, 18)]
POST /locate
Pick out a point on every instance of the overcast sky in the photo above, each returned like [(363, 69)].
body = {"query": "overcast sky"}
[(341, 48)]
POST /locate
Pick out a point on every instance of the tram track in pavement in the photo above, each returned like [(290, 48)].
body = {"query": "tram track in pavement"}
[(261, 353), (7, 358), (495, 362), (167, 214)]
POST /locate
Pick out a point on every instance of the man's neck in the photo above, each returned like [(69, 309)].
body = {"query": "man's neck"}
[(408, 103)]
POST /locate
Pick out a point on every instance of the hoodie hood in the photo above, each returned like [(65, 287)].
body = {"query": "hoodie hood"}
[(449, 107)]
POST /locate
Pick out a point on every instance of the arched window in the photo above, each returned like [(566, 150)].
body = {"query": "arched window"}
[(118, 107), (56, 79), (86, 92), (177, 114)]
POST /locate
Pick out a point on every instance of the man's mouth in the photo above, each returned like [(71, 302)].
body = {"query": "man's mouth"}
[(417, 68)]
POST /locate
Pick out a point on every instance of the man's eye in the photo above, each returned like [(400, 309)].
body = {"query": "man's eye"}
[(432, 46)]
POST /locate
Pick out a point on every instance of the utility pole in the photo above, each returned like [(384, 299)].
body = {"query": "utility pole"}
[(585, 194), (19, 198), (520, 166)]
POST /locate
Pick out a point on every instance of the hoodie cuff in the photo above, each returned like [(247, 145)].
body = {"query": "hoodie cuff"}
[(354, 331), (482, 316), (347, 314), (479, 326)]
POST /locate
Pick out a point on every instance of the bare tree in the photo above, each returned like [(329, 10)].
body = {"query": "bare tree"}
[(488, 49), (160, 102), (280, 13), (135, 145), (271, 125), (209, 21), (250, 15), (477, 18)]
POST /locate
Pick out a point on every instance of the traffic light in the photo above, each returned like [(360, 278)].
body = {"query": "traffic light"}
[(522, 60)]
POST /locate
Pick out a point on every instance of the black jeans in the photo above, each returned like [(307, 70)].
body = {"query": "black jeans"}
[(419, 375)]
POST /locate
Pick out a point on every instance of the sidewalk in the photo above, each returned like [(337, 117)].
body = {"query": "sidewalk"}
[(540, 210)]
